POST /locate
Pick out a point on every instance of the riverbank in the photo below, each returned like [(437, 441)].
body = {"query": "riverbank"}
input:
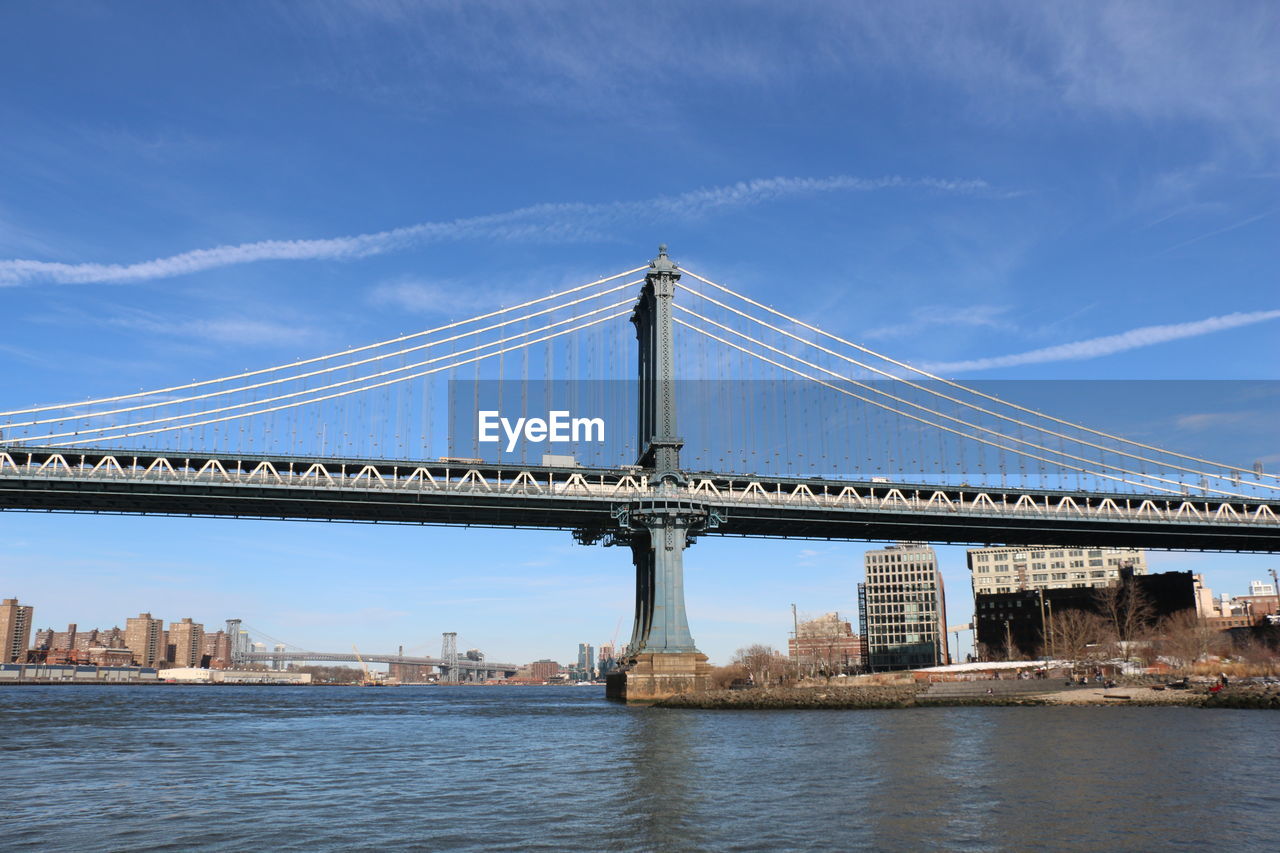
[(789, 698), (916, 696)]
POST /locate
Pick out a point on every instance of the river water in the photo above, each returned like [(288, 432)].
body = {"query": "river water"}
[(286, 768)]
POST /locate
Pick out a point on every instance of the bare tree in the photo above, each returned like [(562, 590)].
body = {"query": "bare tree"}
[(762, 663), (723, 677), (1077, 635), (1185, 638), (1127, 610), (825, 656), (332, 674)]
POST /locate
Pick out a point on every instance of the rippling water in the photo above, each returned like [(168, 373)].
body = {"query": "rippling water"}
[(254, 768)]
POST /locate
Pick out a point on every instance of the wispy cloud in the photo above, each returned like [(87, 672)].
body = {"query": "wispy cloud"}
[(1252, 420), (1109, 344), (1223, 230), (20, 353), (443, 297), (570, 221), (1138, 59), (239, 331), (932, 316)]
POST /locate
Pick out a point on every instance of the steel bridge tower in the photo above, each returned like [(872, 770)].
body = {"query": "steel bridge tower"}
[(449, 656), (661, 659)]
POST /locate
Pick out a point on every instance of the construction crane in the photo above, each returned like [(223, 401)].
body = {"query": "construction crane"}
[(369, 680)]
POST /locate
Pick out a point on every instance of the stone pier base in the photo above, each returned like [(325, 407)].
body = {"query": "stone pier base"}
[(656, 676)]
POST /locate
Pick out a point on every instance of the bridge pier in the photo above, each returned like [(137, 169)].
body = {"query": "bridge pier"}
[(661, 660)]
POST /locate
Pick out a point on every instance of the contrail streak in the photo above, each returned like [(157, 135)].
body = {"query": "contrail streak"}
[(566, 221)]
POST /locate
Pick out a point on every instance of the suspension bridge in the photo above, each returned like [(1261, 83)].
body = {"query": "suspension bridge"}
[(785, 430), (452, 667)]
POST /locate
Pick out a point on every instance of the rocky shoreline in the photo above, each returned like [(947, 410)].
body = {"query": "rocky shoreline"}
[(912, 696), (770, 698)]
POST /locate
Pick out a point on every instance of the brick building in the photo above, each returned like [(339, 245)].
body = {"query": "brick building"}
[(543, 670), (144, 636), (186, 643), (826, 645), (15, 630)]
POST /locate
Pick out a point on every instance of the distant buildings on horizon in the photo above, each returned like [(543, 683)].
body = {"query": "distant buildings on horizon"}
[(144, 641), (902, 620)]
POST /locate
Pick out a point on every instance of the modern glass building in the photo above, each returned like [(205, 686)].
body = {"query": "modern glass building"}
[(902, 609)]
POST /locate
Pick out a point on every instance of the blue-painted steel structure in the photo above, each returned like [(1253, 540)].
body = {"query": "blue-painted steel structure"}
[(656, 508)]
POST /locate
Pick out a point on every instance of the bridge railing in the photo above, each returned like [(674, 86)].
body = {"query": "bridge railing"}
[(628, 485)]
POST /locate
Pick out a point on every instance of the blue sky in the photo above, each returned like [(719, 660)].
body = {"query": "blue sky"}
[(1003, 191)]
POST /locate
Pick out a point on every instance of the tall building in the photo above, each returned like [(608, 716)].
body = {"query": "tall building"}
[(15, 630), (217, 647), (902, 609), (186, 638), (586, 660), (1013, 568), (605, 662), (144, 637), (1261, 588), (826, 645), (64, 639)]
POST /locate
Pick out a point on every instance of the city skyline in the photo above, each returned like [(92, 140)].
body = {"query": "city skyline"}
[(771, 629)]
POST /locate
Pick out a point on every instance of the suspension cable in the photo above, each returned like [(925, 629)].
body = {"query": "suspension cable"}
[(343, 366), (936, 413), (348, 392), (307, 361), (917, 418), (969, 390), (958, 401), (181, 416)]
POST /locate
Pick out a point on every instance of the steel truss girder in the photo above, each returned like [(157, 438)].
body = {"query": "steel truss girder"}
[(584, 500)]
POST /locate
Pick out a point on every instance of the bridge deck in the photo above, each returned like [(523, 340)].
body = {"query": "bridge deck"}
[(446, 493)]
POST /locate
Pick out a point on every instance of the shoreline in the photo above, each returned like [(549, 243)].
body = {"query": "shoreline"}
[(895, 697)]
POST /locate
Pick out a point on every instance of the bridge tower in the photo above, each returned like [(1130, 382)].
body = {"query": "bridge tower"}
[(449, 655), (661, 659)]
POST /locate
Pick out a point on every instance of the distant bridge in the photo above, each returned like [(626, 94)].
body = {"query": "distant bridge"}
[(468, 670)]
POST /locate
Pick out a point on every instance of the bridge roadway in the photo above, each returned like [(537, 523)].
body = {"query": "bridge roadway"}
[(465, 665), (593, 501)]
